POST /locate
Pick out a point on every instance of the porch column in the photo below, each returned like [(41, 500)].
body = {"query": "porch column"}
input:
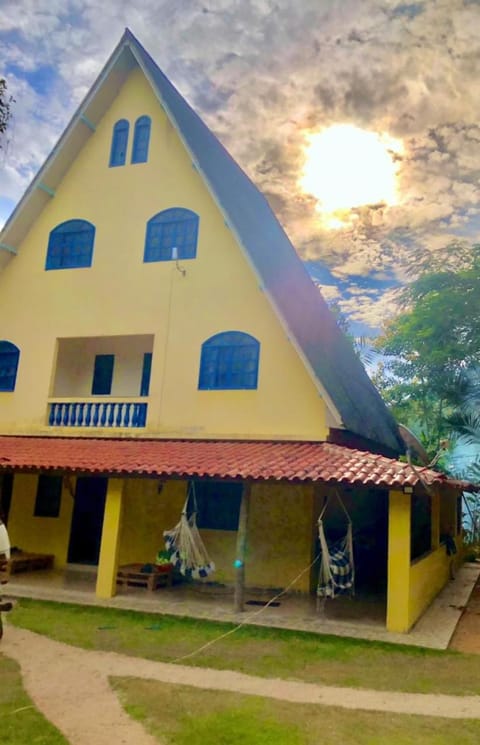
[(398, 589), (112, 522), (241, 549), (435, 518)]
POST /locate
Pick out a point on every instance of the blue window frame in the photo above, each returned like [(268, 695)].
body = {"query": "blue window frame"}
[(118, 152), (9, 356), (70, 245), (171, 234), (229, 361), (141, 140), (146, 371), (218, 504), (103, 375)]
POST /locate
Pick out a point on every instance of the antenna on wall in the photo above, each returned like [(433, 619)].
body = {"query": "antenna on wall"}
[(175, 259), (413, 445)]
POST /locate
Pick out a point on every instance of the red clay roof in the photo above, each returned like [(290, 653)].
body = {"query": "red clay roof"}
[(221, 459)]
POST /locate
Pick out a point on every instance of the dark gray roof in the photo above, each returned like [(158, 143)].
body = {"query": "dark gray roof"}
[(298, 300)]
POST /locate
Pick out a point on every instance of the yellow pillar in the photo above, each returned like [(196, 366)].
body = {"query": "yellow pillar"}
[(398, 591), (435, 515), (112, 522)]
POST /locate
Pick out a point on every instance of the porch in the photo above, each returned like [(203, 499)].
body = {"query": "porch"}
[(361, 617), (258, 521)]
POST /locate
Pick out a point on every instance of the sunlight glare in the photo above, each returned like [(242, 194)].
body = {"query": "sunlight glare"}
[(348, 167)]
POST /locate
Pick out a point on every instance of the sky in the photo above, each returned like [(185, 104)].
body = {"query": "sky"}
[(269, 76)]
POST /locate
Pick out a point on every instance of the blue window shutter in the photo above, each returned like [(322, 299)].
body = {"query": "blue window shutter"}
[(229, 361), (70, 245), (175, 228), (146, 371), (118, 152), (103, 375), (218, 504), (9, 357), (141, 140)]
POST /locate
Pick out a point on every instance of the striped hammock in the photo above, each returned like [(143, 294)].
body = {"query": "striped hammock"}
[(337, 569), (185, 546)]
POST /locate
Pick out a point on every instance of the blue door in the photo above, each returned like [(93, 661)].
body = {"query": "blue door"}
[(87, 520)]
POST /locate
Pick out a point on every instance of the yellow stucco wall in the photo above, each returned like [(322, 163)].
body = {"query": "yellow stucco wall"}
[(427, 577), (121, 295), (279, 543), (413, 585), (280, 537), (46, 535), (146, 514)]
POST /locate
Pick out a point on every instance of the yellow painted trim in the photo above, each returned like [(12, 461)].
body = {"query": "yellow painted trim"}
[(109, 549), (398, 592)]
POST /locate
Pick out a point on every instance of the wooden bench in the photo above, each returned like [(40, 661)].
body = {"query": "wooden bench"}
[(23, 561), (131, 575)]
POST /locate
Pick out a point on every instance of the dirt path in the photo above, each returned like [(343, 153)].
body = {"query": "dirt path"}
[(70, 686), (467, 634)]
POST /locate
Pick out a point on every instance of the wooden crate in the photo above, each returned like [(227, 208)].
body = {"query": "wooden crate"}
[(23, 561), (131, 575)]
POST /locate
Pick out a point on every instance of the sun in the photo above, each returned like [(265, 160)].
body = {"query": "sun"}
[(348, 167)]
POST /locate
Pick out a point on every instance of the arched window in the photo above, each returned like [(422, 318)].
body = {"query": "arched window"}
[(229, 361), (141, 139), (9, 356), (118, 153), (70, 245), (171, 234)]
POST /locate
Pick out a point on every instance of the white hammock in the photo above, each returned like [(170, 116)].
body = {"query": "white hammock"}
[(337, 568), (187, 551)]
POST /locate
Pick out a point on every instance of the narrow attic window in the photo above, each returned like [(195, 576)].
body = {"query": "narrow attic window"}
[(141, 140), (229, 361), (118, 153), (9, 356), (70, 245), (171, 234)]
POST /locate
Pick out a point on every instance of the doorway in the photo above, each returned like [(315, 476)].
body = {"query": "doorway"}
[(87, 520)]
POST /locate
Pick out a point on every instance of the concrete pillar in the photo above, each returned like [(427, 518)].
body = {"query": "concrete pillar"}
[(242, 537), (109, 547), (398, 590)]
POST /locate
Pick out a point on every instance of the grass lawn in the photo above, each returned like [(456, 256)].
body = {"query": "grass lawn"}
[(180, 715), (255, 650), (20, 722)]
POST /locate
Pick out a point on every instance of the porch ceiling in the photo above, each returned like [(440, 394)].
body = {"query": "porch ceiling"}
[(220, 459)]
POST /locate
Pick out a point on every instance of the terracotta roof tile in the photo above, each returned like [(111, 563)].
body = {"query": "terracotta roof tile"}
[(257, 460)]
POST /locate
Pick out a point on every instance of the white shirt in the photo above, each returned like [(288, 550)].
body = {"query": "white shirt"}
[(4, 541)]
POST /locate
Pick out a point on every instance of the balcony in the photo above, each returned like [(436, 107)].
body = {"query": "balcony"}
[(101, 382), (89, 412)]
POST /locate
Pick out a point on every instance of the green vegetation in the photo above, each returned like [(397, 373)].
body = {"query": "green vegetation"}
[(179, 715), (433, 342), (254, 650), (20, 721)]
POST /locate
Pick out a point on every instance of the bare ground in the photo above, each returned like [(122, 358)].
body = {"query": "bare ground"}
[(467, 634), (71, 687)]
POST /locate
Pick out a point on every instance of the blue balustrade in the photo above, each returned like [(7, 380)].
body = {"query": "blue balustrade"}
[(97, 414)]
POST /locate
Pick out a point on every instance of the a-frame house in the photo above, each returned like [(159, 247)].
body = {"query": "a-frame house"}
[(160, 335)]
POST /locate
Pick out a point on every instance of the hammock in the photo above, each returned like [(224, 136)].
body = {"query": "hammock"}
[(337, 569), (187, 551)]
